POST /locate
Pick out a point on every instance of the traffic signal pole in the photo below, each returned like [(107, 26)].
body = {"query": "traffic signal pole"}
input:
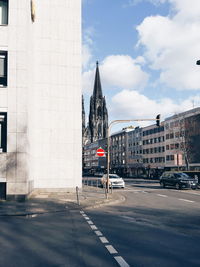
[(157, 119)]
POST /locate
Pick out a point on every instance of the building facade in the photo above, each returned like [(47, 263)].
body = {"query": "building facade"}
[(94, 164), (134, 157), (118, 152), (153, 142), (148, 151), (40, 95), (182, 136)]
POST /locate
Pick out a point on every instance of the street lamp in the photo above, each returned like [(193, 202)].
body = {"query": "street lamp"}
[(157, 119)]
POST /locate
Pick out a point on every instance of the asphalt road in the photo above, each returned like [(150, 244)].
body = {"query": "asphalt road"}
[(154, 226), (54, 239)]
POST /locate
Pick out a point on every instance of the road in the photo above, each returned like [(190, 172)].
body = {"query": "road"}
[(154, 226), (57, 239)]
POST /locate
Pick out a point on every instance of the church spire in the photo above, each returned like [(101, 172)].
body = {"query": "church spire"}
[(98, 116), (97, 92)]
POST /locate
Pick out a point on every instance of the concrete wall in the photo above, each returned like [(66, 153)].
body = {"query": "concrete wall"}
[(43, 96)]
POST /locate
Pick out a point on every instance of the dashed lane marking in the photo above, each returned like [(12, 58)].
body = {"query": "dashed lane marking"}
[(111, 249), (98, 233), (103, 239), (186, 200), (161, 195), (93, 227), (121, 261)]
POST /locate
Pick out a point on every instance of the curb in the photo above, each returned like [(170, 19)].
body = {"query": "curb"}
[(105, 203)]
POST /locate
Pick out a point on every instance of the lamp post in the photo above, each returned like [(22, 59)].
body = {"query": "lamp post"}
[(157, 119)]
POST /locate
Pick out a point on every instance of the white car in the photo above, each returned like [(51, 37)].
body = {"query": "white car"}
[(114, 180)]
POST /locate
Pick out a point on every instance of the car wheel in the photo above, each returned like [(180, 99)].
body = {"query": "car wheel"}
[(162, 185), (177, 185)]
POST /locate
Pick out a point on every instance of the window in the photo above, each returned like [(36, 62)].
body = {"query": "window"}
[(3, 68), (3, 132), (3, 12)]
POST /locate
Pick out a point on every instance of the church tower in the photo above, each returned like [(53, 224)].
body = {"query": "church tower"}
[(98, 116)]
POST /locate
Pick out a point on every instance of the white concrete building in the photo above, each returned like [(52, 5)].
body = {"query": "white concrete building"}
[(40, 95)]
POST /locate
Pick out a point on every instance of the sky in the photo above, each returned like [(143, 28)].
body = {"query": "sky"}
[(147, 52)]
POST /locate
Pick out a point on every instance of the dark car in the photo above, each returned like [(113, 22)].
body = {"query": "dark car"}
[(178, 179)]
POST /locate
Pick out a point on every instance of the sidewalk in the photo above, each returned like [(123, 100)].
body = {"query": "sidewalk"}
[(45, 202)]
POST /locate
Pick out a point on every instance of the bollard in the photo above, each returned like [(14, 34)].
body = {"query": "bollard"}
[(77, 195), (111, 188)]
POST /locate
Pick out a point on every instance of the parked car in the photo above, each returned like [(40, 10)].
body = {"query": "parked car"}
[(178, 179), (114, 180)]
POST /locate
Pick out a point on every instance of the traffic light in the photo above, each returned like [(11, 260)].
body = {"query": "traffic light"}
[(158, 120)]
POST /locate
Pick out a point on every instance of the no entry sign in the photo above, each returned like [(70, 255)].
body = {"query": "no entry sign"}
[(100, 152)]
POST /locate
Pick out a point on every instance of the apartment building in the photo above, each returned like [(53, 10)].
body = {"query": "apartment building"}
[(182, 136), (134, 152), (148, 151), (153, 142), (119, 151), (40, 96)]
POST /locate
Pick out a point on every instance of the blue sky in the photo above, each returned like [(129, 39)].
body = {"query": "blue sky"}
[(147, 51)]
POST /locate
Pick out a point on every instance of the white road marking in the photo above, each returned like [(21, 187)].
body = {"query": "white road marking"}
[(103, 239), (186, 200), (93, 227), (98, 233), (121, 261), (111, 249), (186, 192), (144, 192), (129, 190), (82, 212), (161, 195)]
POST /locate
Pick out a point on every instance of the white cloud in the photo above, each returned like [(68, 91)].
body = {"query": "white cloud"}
[(118, 71), (172, 44), (87, 46), (88, 81), (133, 105), (135, 2)]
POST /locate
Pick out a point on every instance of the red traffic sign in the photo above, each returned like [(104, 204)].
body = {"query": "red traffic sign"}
[(100, 152)]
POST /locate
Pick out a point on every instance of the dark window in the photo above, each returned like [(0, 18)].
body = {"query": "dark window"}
[(3, 68), (3, 12), (3, 132)]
